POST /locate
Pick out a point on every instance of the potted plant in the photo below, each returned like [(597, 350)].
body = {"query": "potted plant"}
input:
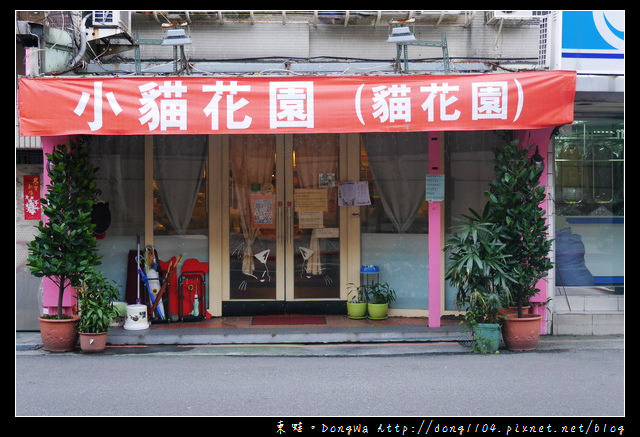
[(478, 270), (64, 249), (96, 296), (514, 199), (379, 296), (357, 301)]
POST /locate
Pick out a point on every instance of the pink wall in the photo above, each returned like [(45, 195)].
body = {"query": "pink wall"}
[(49, 288), (435, 235), (539, 137)]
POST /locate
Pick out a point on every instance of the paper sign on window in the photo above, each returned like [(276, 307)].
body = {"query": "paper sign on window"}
[(262, 207), (353, 194), (435, 188), (311, 199), (310, 219)]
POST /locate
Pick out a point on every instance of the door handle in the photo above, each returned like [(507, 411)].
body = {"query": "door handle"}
[(289, 223), (280, 224)]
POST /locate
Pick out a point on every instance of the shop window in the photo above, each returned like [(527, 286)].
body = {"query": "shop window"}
[(469, 170), (589, 204), (179, 185), (395, 165), (180, 199), (394, 228), (120, 178), (180, 213)]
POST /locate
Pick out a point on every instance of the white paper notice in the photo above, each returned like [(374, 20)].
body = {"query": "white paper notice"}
[(353, 194), (310, 219)]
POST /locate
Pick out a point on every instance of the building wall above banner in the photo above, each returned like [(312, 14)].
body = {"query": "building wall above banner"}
[(280, 105)]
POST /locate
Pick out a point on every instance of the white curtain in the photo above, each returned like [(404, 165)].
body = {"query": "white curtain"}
[(179, 162), (252, 160), (398, 162), (315, 154)]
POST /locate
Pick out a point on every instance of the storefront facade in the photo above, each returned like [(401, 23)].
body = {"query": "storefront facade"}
[(240, 162), (284, 201)]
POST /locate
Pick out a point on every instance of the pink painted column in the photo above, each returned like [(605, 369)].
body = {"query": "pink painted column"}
[(435, 235), (541, 138), (49, 288)]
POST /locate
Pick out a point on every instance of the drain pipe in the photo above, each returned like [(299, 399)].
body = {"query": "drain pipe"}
[(83, 42)]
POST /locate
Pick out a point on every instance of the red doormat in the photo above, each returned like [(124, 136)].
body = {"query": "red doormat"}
[(288, 320)]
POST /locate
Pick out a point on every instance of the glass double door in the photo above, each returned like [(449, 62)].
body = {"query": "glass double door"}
[(284, 230)]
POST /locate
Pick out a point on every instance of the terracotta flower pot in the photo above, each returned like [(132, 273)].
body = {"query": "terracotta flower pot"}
[(59, 335), (521, 334), (93, 342), (514, 310)]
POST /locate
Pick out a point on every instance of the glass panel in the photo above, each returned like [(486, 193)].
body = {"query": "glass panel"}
[(316, 242), (470, 160), (252, 216), (180, 186), (120, 178), (394, 228), (396, 165), (180, 215), (589, 240)]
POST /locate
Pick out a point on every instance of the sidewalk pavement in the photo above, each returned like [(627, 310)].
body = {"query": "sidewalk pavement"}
[(312, 340)]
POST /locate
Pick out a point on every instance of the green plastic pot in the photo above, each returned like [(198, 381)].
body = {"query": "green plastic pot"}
[(357, 310), (378, 311)]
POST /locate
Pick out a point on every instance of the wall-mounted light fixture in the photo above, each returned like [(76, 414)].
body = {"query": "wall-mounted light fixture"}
[(176, 36), (402, 36), (537, 160)]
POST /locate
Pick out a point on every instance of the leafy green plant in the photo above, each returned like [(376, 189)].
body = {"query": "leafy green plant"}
[(514, 199), (358, 294), (381, 292), (482, 346), (64, 248), (478, 268), (95, 300)]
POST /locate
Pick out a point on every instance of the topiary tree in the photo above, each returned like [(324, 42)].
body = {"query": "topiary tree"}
[(65, 249), (514, 199)]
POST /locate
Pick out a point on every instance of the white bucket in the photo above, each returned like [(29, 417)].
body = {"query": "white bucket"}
[(136, 317)]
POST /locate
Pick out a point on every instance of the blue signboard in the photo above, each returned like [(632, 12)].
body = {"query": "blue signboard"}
[(593, 41)]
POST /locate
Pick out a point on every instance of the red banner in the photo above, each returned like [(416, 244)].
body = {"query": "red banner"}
[(31, 197), (258, 105)]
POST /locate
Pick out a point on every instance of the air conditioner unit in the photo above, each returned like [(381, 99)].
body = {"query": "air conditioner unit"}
[(121, 19), (114, 26), (492, 17)]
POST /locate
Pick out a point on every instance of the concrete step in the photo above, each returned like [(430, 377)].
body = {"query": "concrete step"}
[(159, 336)]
